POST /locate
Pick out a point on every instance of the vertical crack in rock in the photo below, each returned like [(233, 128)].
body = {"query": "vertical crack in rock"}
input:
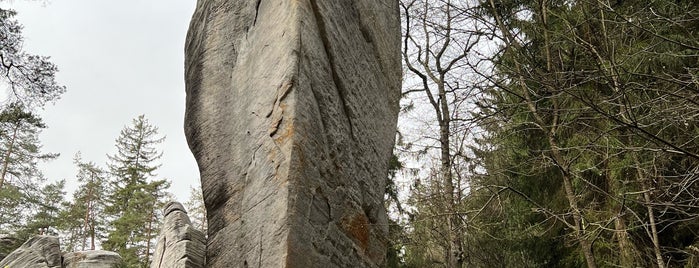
[(259, 259), (342, 91), (317, 106), (179, 245), (257, 12), (278, 110), (161, 251)]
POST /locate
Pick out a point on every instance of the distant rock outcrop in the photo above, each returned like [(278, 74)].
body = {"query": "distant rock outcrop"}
[(45, 252), (37, 252), (91, 259), (291, 116), (179, 244)]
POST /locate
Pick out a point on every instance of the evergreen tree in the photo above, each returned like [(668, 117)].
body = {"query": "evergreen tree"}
[(29, 78), (588, 154), (46, 216), (83, 219), (196, 209), (137, 195), (20, 178)]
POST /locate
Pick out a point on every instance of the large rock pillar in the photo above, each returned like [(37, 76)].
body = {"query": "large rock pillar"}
[(291, 115)]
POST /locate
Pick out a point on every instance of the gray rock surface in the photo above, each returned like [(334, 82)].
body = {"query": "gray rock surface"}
[(291, 115), (179, 244), (37, 252), (91, 259), (8, 243)]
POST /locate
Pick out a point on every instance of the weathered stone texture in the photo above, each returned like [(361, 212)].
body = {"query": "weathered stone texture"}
[(8, 243), (179, 244), (37, 252), (291, 115), (92, 259)]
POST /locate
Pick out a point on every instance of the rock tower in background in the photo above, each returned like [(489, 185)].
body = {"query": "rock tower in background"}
[(291, 115), (179, 244)]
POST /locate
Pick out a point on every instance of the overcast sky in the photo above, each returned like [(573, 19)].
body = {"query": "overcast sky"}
[(118, 59)]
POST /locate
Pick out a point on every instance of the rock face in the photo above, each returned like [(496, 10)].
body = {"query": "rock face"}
[(91, 259), (45, 252), (8, 243), (179, 244), (37, 252), (291, 115)]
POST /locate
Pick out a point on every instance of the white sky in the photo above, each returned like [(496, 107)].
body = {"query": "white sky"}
[(118, 59)]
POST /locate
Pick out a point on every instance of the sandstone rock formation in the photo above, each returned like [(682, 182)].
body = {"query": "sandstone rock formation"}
[(91, 259), (8, 243), (291, 115), (179, 244), (45, 252), (37, 252)]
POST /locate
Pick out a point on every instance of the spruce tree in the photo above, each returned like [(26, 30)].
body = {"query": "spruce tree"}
[(591, 151), (136, 195)]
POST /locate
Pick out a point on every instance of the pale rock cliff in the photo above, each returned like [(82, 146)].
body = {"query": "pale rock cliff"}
[(291, 115)]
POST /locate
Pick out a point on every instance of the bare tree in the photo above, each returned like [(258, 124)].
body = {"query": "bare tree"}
[(438, 38)]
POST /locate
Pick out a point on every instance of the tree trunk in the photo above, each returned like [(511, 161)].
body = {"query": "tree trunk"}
[(626, 250), (148, 235), (455, 258), (6, 159), (651, 214), (86, 222), (585, 245), (510, 41)]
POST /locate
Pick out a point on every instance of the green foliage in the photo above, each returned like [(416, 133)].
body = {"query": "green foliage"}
[(46, 217), (136, 194), (83, 221), (597, 92), (28, 205), (196, 210), (20, 148), (587, 152)]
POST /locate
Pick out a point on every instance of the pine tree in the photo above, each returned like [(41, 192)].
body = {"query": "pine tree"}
[(137, 194), (20, 178), (29, 78), (83, 220), (46, 217)]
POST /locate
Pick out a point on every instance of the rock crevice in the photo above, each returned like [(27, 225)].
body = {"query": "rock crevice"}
[(179, 244)]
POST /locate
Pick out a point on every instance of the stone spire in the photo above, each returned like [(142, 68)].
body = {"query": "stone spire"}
[(291, 115), (179, 244)]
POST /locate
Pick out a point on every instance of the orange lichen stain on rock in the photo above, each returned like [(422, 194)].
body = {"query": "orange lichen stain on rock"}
[(79, 256), (357, 227), (282, 135)]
